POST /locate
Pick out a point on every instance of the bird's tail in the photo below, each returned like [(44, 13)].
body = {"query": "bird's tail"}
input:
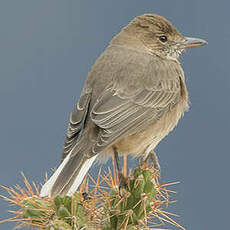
[(70, 174)]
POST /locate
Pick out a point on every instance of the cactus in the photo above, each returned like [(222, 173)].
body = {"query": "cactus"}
[(66, 208), (58, 225), (134, 206)]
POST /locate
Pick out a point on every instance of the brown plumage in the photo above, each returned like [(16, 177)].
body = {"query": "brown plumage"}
[(133, 97)]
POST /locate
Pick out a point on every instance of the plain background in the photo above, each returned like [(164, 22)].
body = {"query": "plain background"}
[(46, 50)]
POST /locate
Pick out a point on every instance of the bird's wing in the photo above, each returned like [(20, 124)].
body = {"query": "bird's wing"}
[(76, 123), (130, 103)]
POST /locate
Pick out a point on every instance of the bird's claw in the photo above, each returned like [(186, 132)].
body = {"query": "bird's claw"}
[(154, 163)]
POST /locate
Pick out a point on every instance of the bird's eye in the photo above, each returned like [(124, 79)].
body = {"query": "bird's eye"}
[(163, 38)]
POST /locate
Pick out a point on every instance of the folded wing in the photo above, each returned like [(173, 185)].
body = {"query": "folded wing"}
[(118, 114)]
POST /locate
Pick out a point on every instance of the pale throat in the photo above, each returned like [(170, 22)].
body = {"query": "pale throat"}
[(174, 54)]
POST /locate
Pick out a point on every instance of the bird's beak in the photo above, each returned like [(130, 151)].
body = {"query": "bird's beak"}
[(192, 43)]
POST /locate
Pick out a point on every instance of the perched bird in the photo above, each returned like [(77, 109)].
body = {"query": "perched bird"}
[(133, 97)]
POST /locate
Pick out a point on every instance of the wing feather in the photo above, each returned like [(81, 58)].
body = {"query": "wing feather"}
[(118, 116), (76, 123)]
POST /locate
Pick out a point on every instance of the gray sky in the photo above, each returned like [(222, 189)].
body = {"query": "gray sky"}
[(46, 50)]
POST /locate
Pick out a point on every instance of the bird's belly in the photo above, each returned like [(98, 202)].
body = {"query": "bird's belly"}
[(146, 140)]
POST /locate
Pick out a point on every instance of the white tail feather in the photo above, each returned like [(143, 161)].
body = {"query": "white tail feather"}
[(47, 187), (84, 169)]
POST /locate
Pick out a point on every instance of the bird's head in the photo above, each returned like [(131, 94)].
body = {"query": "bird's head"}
[(159, 36)]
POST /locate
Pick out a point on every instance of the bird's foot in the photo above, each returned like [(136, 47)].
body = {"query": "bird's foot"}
[(154, 163), (86, 196), (122, 184), (122, 180)]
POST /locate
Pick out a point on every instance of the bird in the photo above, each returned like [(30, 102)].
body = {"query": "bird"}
[(133, 96)]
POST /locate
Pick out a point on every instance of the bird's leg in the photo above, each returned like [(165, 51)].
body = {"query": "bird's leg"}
[(155, 162), (122, 181), (117, 160), (144, 162)]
